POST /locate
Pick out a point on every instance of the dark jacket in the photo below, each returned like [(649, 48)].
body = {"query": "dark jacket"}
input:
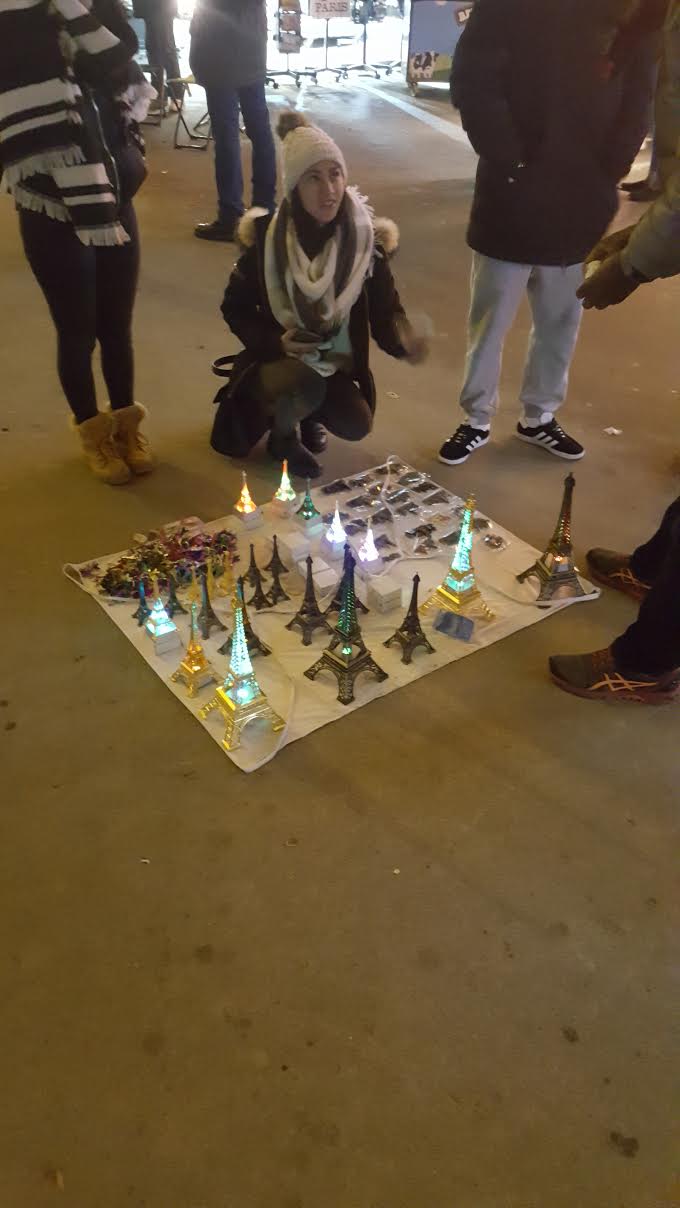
[(247, 312), (530, 80), (229, 43)]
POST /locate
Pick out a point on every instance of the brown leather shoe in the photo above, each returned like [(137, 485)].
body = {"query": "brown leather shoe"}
[(613, 570), (596, 676)]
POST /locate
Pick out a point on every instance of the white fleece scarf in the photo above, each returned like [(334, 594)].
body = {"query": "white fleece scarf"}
[(318, 295)]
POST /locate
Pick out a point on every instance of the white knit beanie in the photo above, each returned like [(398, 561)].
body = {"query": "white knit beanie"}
[(303, 146)]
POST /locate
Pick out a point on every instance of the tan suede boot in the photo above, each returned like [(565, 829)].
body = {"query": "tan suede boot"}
[(132, 447), (101, 454)]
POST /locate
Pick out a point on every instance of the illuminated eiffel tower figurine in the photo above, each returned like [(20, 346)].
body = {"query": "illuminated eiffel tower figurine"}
[(557, 576), (255, 644), (459, 592), (207, 617), (309, 616), (346, 655), (410, 634), (336, 603), (240, 698), (194, 670)]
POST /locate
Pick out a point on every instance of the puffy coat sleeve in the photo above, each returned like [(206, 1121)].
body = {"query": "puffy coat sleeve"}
[(245, 314), (384, 307), (478, 84), (654, 246)]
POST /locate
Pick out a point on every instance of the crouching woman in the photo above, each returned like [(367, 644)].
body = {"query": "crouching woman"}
[(313, 283)]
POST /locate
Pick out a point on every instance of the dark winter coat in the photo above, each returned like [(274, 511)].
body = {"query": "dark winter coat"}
[(247, 312), (229, 43), (530, 80)]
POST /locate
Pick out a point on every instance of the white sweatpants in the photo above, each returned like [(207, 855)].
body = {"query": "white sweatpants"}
[(497, 288)]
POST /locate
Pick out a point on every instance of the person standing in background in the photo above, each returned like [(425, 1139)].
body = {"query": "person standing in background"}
[(72, 158), (555, 131), (161, 51), (229, 59)]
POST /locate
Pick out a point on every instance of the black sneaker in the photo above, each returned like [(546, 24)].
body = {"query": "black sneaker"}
[(217, 231), (464, 441), (553, 439)]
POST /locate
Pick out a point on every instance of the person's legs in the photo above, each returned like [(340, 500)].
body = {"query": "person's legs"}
[(496, 290), (556, 315), (168, 50), (344, 411), (117, 273), (117, 276), (643, 664), (288, 391), (256, 121), (652, 643), (224, 117), (65, 271), (154, 51)]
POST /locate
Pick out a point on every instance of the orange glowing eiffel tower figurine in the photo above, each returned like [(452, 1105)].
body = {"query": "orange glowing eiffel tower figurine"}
[(194, 670), (459, 592), (555, 570)]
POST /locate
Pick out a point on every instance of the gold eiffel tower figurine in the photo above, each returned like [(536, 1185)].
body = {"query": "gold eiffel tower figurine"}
[(555, 570), (194, 670), (240, 698), (352, 657), (459, 592)]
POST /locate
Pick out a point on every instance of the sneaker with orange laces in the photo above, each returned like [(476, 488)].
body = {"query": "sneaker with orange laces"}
[(614, 570), (596, 676)]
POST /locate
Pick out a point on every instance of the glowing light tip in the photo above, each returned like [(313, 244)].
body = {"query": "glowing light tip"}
[(367, 550), (244, 503), (285, 493), (336, 534)]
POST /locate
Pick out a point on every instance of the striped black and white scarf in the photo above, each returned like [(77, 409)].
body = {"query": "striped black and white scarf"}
[(52, 151)]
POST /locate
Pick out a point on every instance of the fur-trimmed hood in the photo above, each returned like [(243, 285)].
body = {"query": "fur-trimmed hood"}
[(385, 230)]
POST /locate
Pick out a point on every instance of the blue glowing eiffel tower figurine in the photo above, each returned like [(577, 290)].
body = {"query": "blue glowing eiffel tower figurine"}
[(459, 592), (346, 655), (240, 698)]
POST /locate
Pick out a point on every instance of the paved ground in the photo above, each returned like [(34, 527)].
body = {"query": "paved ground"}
[(268, 1014)]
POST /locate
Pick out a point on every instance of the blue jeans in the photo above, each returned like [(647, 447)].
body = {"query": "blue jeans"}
[(223, 107)]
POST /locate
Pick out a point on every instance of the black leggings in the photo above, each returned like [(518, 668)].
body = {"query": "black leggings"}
[(91, 294)]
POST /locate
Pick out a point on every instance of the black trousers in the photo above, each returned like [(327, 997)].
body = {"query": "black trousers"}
[(91, 295), (161, 51), (652, 643), (290, 391)]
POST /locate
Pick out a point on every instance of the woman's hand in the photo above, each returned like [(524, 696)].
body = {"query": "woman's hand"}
[(294, 346), (415, 346)]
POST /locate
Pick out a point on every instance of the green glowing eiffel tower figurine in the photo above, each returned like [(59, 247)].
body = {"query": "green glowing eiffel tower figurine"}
[(336, 603), (240, 698), (309, 616), (410, 634), (459, 592), (255, 644), (346, 655), (557, 576)]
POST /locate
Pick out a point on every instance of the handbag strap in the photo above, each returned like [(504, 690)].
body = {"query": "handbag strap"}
[(223, 366)]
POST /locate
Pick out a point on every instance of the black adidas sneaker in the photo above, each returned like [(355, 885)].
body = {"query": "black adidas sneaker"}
[(464, 441), (553, 439)]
